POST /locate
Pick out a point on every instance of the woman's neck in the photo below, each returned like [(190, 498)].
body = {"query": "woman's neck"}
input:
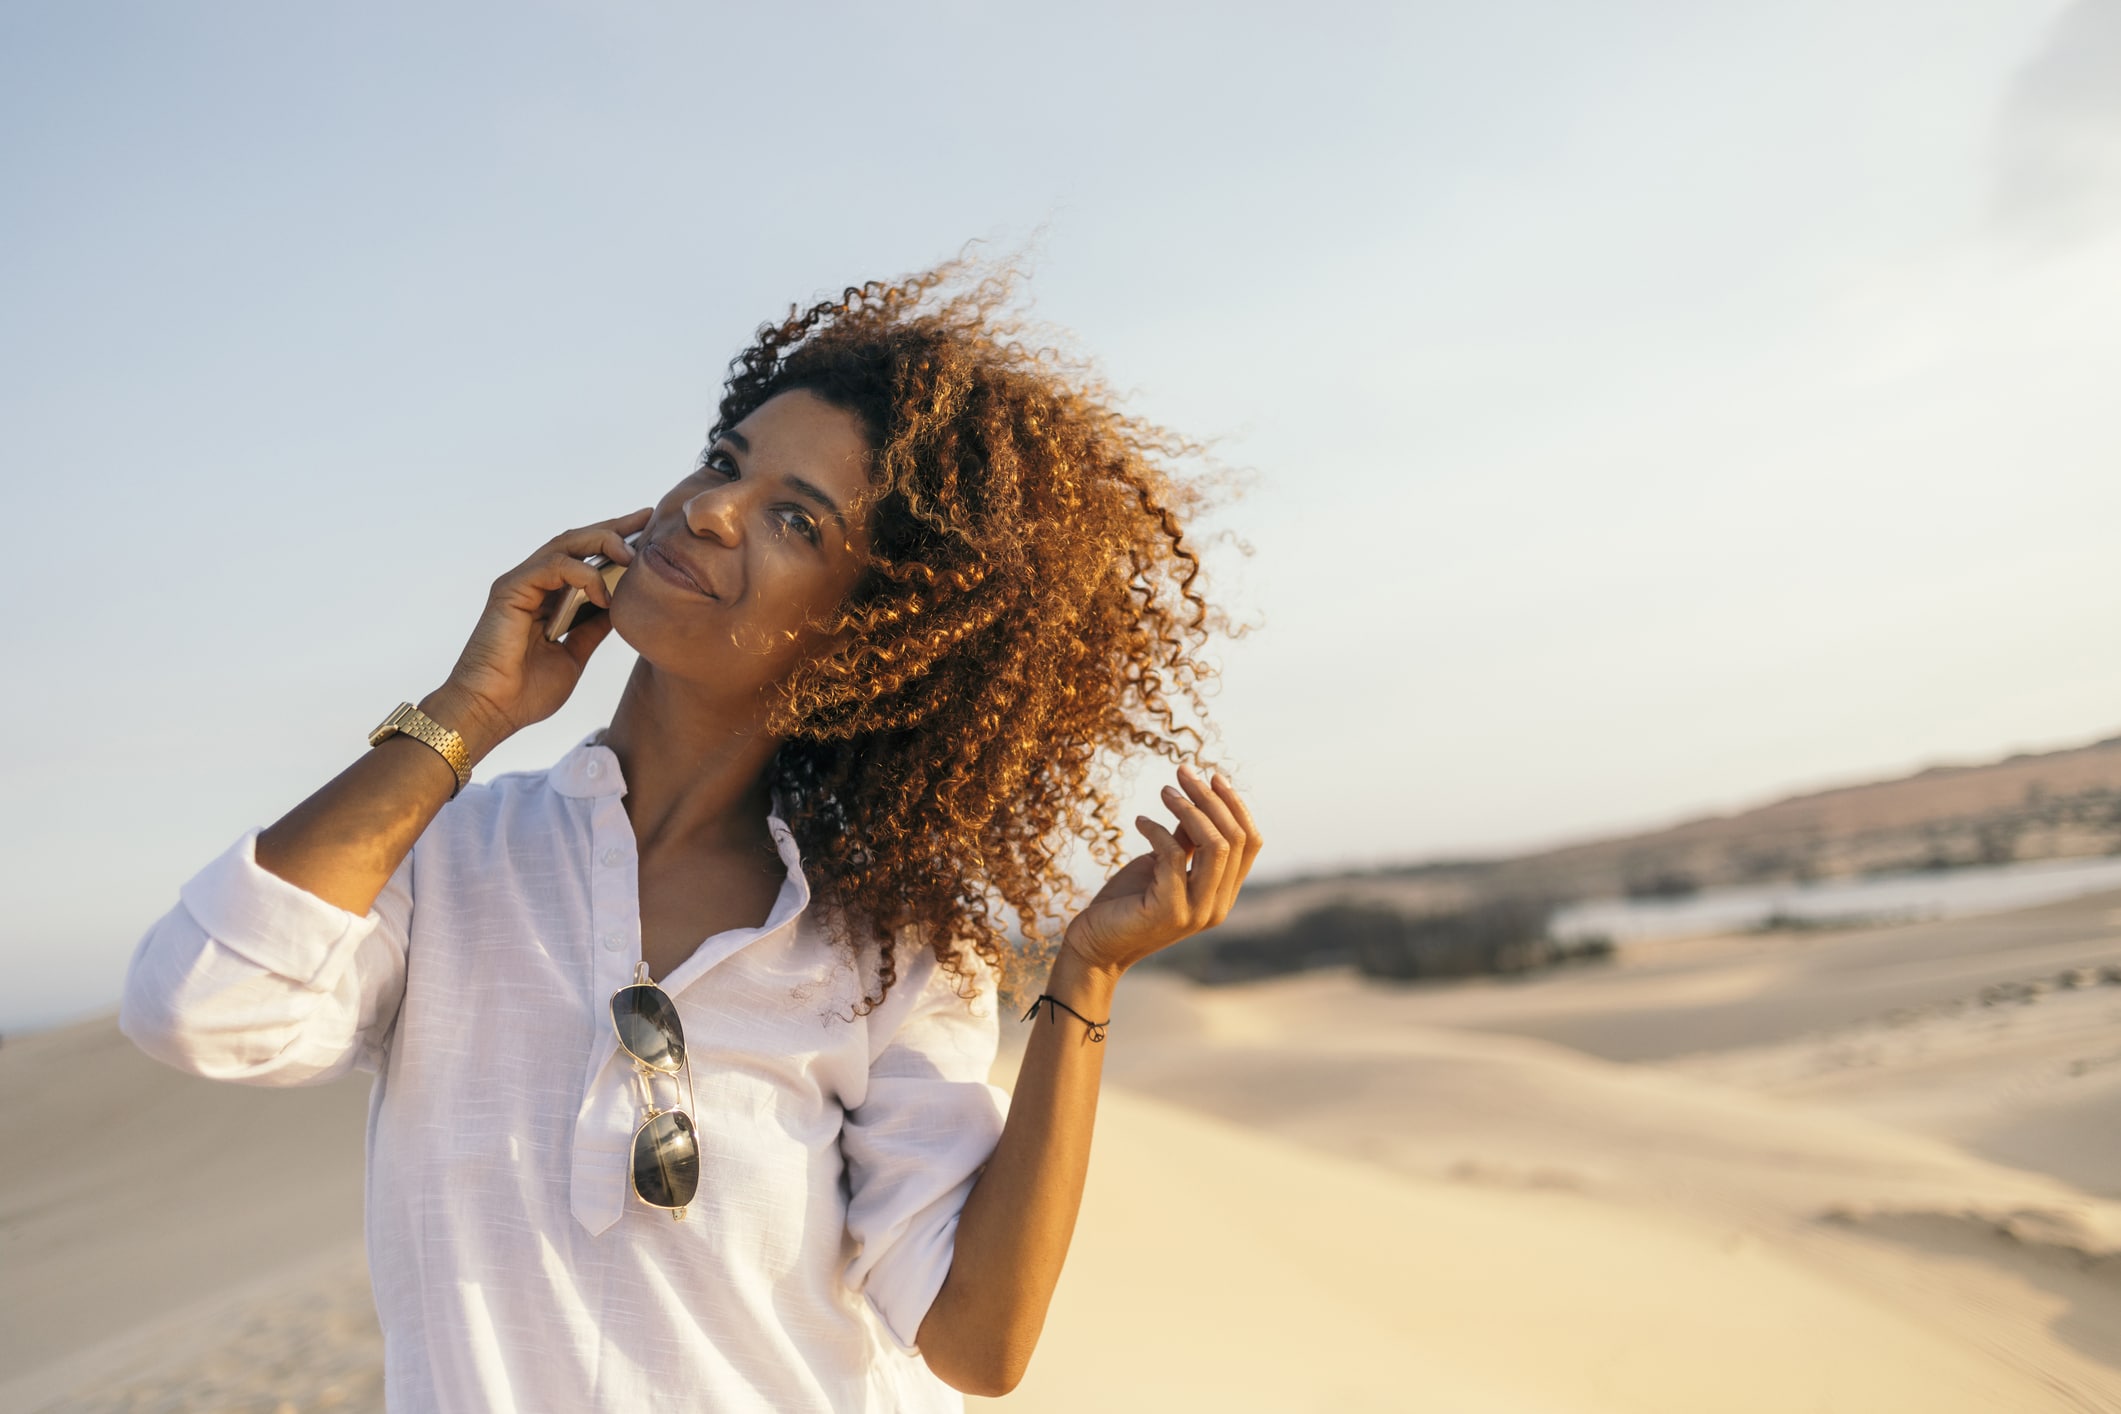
[(696, 773)]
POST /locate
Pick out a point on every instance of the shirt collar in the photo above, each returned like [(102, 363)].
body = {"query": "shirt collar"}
[(590, 768)]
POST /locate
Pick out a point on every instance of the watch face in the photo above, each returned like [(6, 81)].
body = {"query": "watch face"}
[(389, 724)]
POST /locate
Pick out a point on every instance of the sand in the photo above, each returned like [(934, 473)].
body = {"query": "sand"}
[(1868, 1172), (147, 1218)]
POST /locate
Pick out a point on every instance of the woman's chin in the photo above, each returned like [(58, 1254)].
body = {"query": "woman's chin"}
[(650, 630), (692, 657)]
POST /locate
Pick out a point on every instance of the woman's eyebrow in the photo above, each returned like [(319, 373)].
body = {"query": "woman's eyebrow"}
[(806, 489)]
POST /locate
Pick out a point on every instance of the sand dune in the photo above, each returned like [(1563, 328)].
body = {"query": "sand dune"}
[(1724, 1231), (131, 1194), (1217, 1270), (1872, 1172)]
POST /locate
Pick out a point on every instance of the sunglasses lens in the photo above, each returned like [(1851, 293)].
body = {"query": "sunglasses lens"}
[(648, 1026), (666, 1161)]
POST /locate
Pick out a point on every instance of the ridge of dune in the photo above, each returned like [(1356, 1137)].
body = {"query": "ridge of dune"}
[(1432, 1102)]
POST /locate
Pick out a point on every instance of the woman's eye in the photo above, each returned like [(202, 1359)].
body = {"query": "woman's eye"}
[(715, 459), (799, 520)]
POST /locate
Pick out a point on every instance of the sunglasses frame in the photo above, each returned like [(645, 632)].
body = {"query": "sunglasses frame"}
[(644, 1074)]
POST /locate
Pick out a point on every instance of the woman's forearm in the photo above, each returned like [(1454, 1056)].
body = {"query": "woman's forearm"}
[(1013, 1233), (345, 841)]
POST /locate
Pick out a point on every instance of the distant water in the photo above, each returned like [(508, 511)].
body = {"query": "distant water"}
[(1879, 898)]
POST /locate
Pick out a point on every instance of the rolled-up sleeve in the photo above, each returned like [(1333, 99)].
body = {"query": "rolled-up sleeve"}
[(915, 1144), (254, 979)]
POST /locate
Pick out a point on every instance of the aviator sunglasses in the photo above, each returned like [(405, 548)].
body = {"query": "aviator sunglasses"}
[(666, 1147)]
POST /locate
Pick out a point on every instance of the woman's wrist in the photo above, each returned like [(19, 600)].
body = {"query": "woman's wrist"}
[(1085, 985), (469, 718)]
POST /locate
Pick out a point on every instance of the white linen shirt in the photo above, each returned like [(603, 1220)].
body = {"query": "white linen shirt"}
[(513, 1267)]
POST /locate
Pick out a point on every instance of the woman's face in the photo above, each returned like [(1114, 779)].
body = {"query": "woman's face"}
[(743, 556)]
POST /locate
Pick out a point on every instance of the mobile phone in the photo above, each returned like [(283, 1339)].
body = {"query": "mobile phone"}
[(576, 602)]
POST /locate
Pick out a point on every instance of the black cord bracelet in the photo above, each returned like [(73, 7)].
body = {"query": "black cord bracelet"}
[(1097, 1028)]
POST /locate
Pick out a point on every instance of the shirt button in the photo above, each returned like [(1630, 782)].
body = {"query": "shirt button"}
[(611, 942), (612, 856), (596, 768)]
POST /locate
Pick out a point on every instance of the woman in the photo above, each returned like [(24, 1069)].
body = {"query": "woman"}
[(921, 587)]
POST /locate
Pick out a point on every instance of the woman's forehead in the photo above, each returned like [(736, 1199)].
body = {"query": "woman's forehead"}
[(799, 433)]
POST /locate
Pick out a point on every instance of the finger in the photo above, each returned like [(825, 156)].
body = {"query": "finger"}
[(1168, 847), (578, 573), (1210, 852), (1229, 869), (582, 639), (602, 537), (528, 585), (1254, 840), (592, 540), (613, 547), (1170, 880), (1249, 849), (1212, 805)]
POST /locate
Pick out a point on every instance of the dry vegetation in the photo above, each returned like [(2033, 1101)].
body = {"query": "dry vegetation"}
[(1455, 917)]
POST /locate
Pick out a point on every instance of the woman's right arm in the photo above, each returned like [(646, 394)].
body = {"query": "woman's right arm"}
[(283, 961)]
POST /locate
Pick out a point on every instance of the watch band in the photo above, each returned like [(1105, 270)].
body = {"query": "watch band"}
[(416, 724)]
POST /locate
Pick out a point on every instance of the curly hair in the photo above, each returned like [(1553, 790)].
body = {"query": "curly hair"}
[(1030, 612)]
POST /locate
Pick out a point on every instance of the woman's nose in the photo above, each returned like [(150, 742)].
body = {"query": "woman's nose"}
[(715, 512)]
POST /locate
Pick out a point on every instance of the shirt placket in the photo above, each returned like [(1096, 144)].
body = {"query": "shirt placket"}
[(604, 1121)]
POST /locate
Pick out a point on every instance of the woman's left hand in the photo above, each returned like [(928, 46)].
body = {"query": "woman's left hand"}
[(1186, 882)]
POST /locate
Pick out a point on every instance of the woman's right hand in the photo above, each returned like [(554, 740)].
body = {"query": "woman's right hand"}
[(509, 675)]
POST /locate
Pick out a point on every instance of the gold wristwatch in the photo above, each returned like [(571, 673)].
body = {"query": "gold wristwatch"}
[(414, 723)]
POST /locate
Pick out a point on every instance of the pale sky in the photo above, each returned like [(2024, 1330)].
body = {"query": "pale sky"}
[(1651, 407)]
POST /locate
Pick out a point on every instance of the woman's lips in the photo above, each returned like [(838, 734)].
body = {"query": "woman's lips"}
[(671, 570)]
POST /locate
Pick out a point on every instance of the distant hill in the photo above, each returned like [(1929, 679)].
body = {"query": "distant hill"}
[(2051, 805)]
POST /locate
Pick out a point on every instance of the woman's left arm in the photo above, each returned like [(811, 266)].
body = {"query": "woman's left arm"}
[(1013, 1233)]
